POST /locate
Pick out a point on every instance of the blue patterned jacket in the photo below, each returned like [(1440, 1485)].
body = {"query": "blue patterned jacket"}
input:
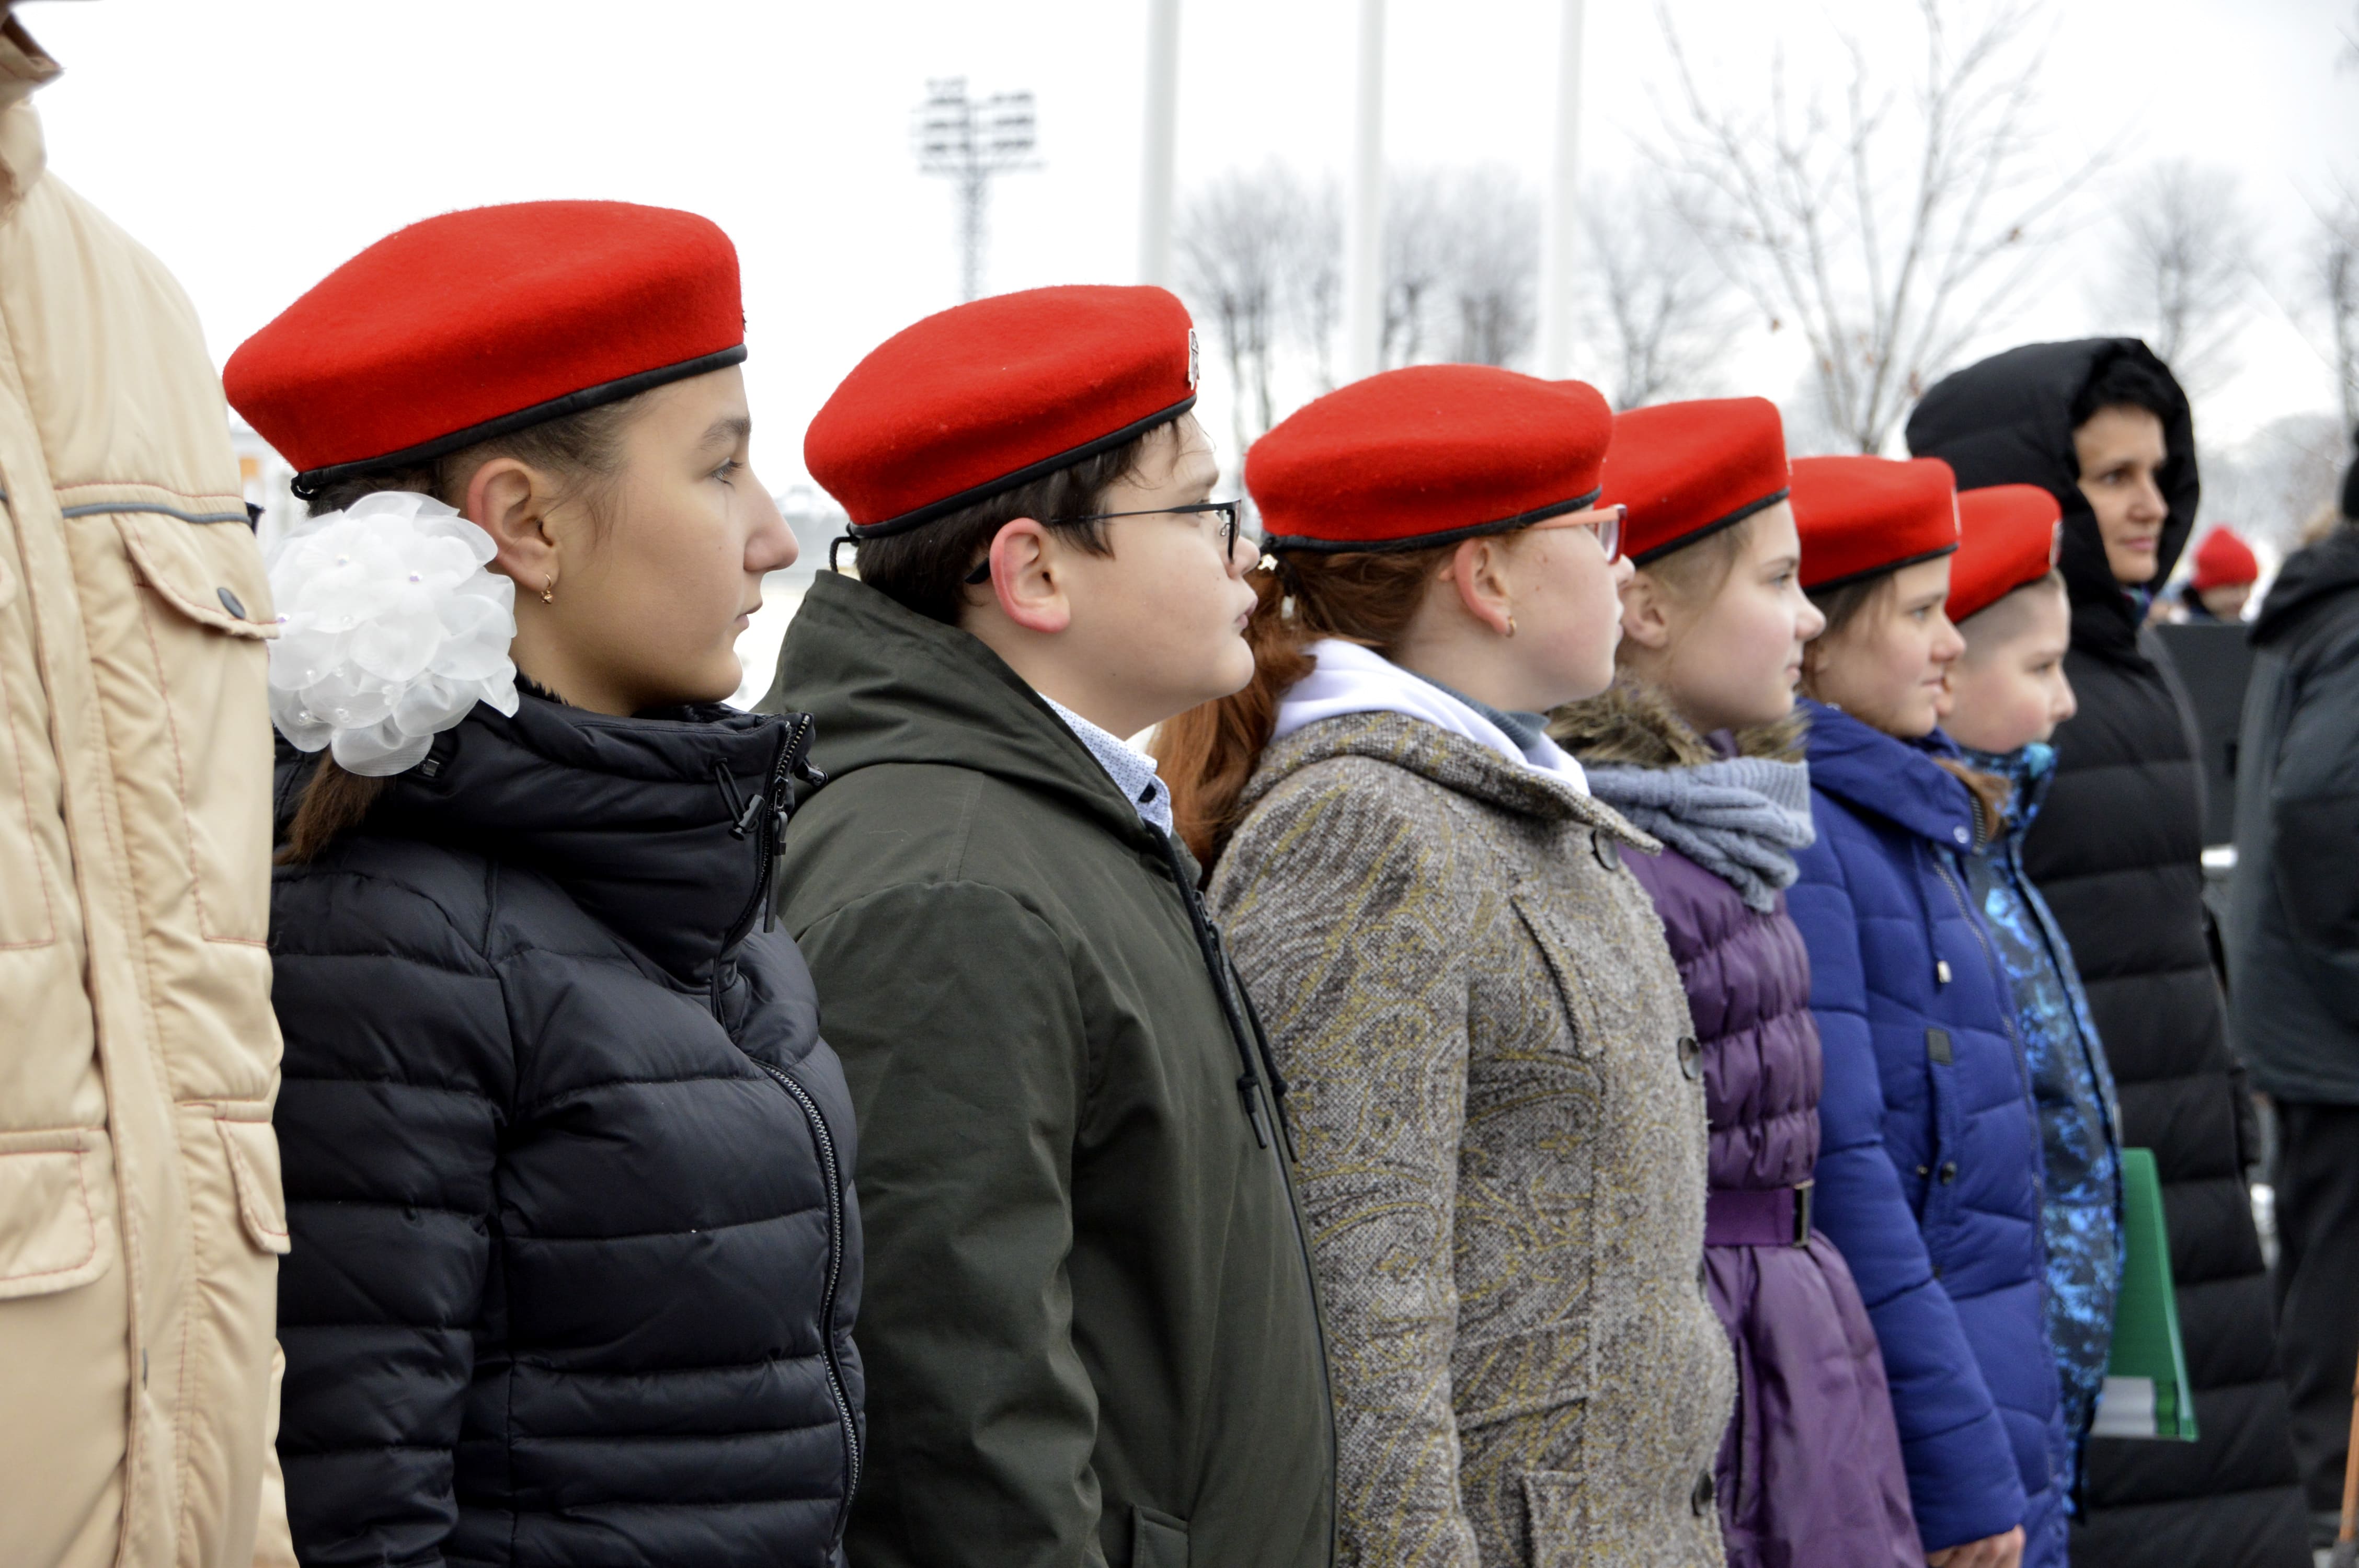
[(2080, 1119)]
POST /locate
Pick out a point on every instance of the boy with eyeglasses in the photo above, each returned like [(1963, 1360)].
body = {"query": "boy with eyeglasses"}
[(1090, 1329)]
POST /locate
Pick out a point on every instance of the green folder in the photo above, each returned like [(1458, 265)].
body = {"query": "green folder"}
[(2145, 1392)]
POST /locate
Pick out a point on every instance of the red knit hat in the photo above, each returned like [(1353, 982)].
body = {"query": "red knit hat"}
[(991, 395), (477, 323), (2223, 560), (1410, 458), (1686, 470), (1859, 516), (2008, 538)]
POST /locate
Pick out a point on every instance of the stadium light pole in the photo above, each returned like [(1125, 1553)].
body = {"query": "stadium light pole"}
[(1161, 152), (967, 141), (1363, 206), (1561, 222)]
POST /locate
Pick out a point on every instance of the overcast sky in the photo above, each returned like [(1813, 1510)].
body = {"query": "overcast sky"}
[(256, 144)]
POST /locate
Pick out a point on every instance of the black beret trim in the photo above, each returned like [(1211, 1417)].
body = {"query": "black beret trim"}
[(1276, 542), (1694, 534), (934, 510), (1846, 581), (310, 482)]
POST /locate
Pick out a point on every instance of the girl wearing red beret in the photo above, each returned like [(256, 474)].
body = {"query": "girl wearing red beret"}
[(568, 1166), (1697, 743), (1927, 1177), (1499, 1118)]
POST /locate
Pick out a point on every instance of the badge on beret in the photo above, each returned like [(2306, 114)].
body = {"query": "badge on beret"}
[(1193, 360)]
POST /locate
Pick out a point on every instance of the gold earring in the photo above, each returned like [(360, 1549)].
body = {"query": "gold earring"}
[(1511, 625), (548, 591)]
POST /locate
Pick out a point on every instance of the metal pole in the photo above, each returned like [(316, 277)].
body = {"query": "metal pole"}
[(1364, 209), (974, 191), (1155, 185), (1561, 226)]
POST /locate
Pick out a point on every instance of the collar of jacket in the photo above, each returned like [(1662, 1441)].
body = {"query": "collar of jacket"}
[(24, 69), (2031, 769), (631, 817), (2008, 420), (1890, 778), (1453, 761), (886, 685)]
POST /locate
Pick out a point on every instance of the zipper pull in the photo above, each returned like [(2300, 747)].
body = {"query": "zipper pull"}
[(1247, 1084)]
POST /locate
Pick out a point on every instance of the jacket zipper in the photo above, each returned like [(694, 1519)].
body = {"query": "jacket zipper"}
[(825, 1143), (764, 819), (1250, 1085), (1998, 973)]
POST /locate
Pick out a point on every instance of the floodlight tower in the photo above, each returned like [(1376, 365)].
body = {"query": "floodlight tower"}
[(968, 140)]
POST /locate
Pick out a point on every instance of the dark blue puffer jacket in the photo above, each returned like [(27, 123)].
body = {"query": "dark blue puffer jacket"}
[(1929, 1156)]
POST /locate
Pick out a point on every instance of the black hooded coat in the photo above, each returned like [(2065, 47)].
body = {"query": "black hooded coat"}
[(2118, 852), (569, 1168)]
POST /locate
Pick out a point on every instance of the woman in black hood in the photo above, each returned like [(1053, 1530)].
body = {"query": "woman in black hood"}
[(2117, 851)]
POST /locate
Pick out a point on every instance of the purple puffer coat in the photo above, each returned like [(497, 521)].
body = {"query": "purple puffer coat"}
[(1810, 1472)]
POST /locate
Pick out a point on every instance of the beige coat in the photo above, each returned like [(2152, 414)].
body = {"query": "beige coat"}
[(140, 1215), (1503, 1152)]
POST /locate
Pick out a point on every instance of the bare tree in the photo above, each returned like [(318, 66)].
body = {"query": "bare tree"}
[(1235, 239), (2272, 482), (1658, 311), (2332, 286), (1889, 226), (2183, 270)]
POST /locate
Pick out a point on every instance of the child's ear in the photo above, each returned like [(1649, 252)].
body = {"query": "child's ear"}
[(1645, 613)]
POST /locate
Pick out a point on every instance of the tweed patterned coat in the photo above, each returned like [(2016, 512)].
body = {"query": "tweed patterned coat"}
[(1503, 1152)]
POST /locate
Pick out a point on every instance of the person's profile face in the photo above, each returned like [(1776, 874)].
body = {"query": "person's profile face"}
[(2121, 451)]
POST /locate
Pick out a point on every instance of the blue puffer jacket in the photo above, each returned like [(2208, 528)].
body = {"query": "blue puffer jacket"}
[(2080, 1119), (1929, 1156)]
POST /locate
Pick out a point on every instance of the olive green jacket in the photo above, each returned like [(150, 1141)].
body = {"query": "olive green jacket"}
[(1089, 1323)]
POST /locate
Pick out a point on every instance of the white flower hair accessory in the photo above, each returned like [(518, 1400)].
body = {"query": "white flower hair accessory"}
[(391, 631)]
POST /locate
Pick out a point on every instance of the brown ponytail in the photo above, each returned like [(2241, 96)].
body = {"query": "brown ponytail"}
[(1208, 752), (333, 803)]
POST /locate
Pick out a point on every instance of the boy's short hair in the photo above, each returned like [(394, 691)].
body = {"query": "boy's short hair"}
[(2128, 380), (2002, 620), (925, 568)]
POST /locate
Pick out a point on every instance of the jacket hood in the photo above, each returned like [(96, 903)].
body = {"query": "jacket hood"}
[(1896, 779), (1467, 767), (886, 685), (662, 828), (2008, 420), (1632, 724), (2310, 578)]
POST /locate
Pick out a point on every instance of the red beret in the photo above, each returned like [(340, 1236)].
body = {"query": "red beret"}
[(2007, 535), (1859, 516), (476, 323), (991, 395), (1426, 456), (1689, 469), (2223, 559)]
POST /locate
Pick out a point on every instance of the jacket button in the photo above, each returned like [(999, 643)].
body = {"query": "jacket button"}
[(1690, 1057), (1609, 854), (1700, 1499), (1948, 1172), (1961, 835), (230, 603)]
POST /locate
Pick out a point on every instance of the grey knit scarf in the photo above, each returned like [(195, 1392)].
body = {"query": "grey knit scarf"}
[(1740, 818)]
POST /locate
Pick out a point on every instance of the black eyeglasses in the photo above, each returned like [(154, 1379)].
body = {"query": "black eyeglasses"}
[(1230, 513)]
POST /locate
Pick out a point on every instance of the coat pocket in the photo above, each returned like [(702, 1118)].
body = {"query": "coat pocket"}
[(1558, 1529), (1578, 1032), (1156, 1539), (206, 622), (1947, 1128), (56, 1217), (251, 1148)]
